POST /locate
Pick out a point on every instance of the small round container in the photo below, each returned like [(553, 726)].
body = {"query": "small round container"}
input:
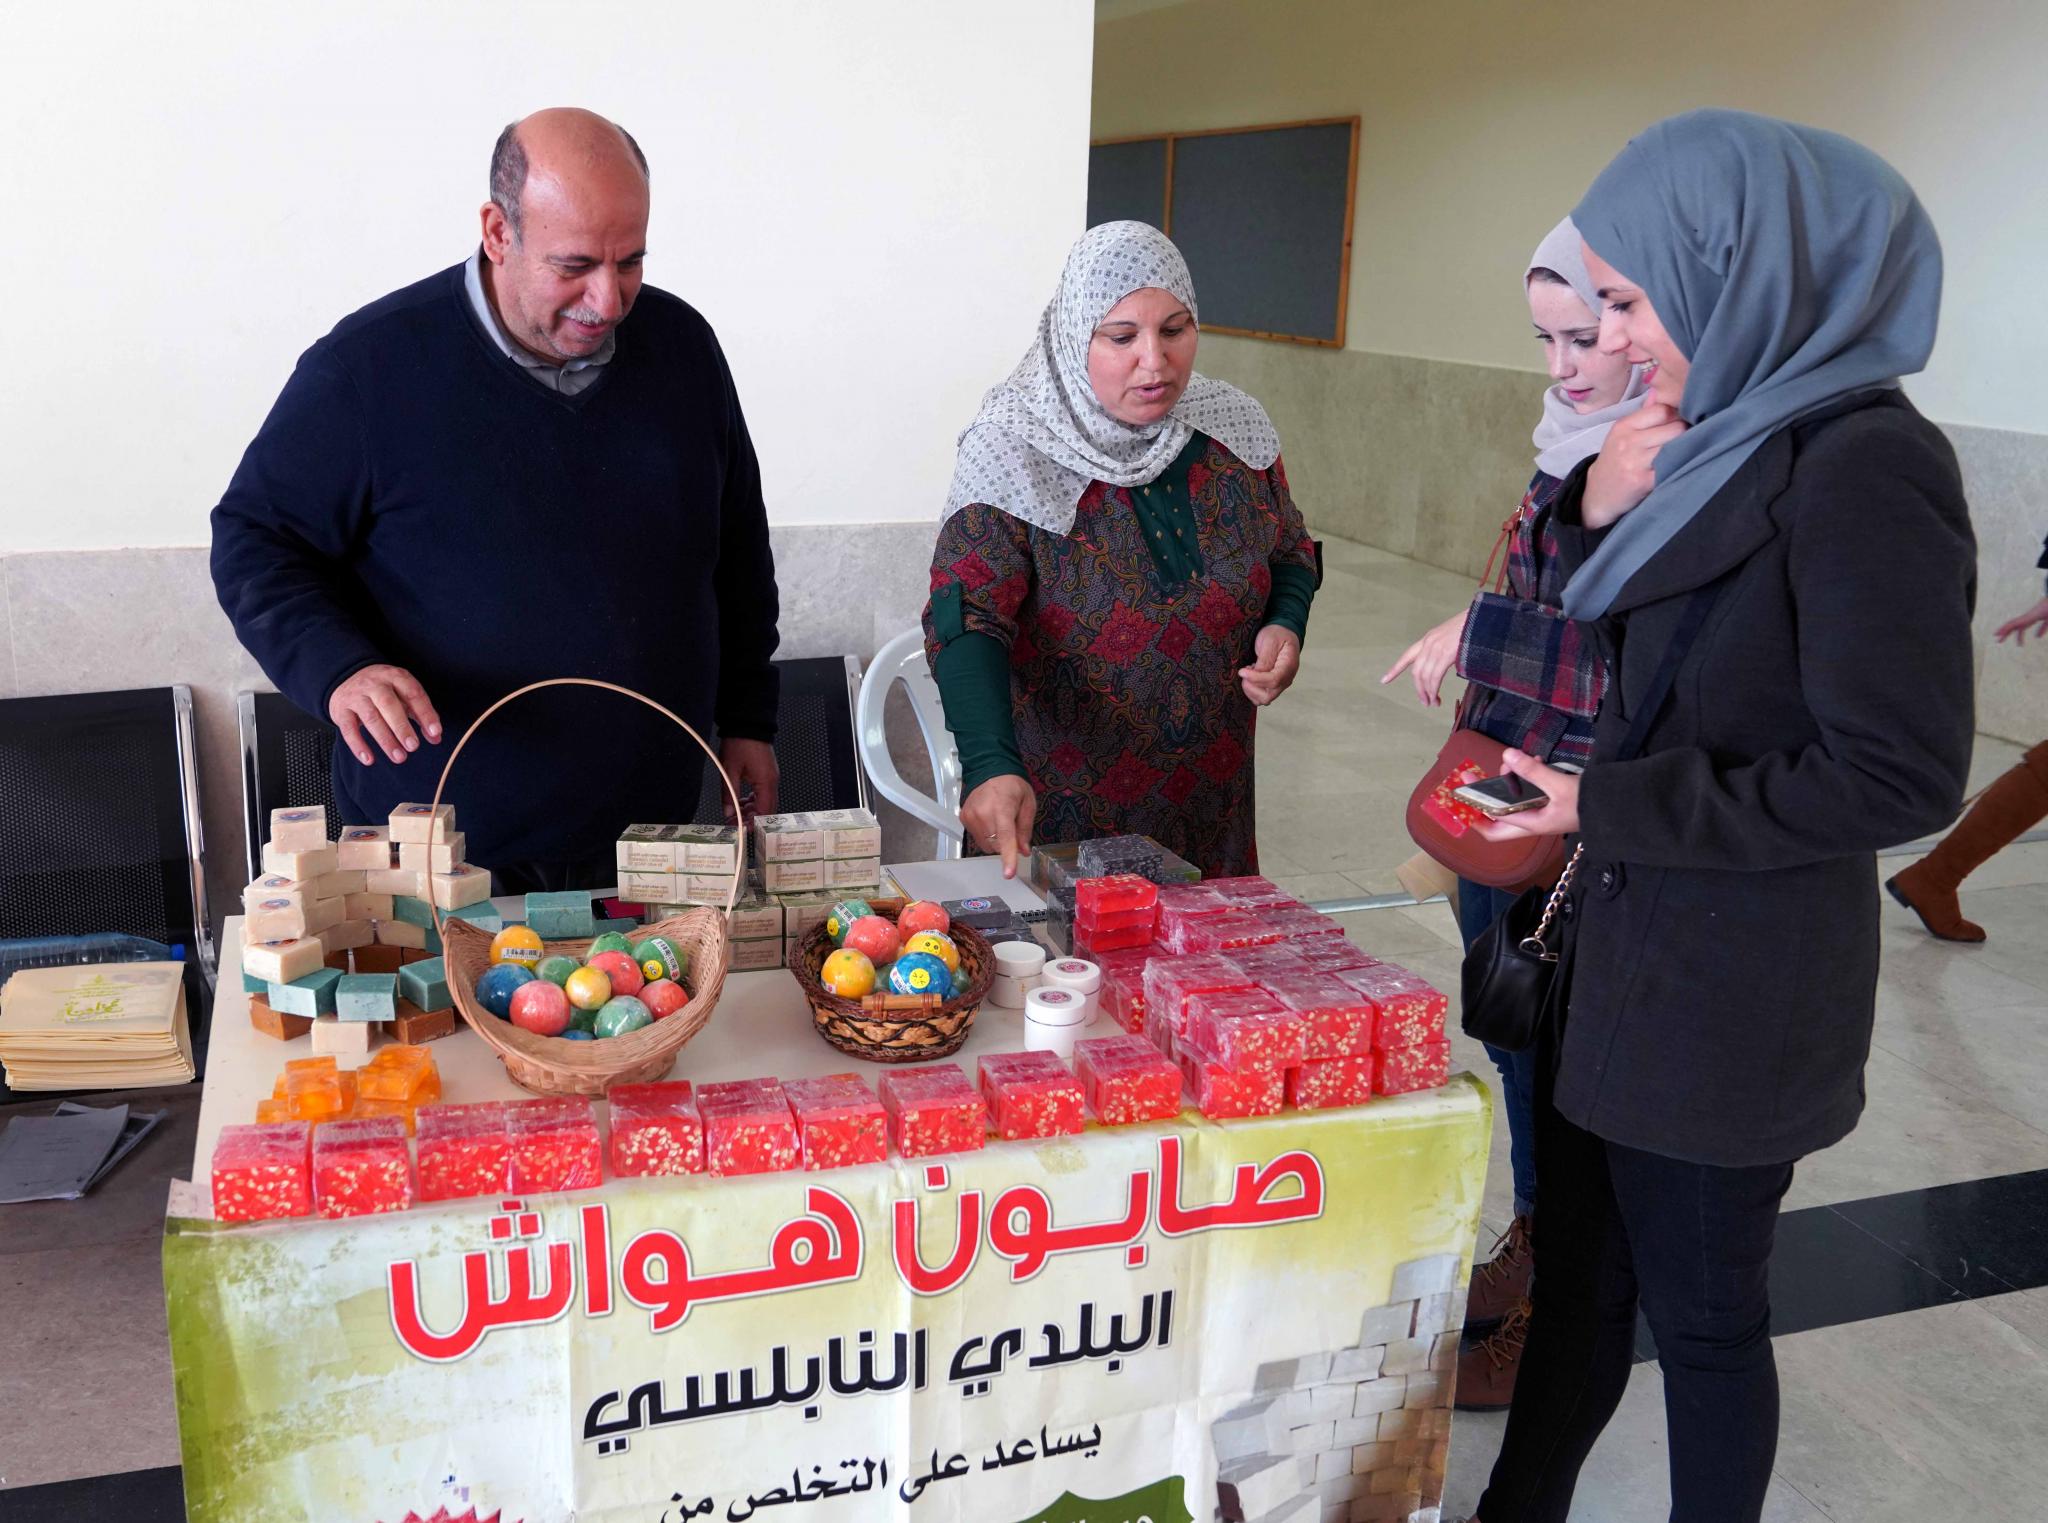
[(1010, 992), (1019, 960), (1075, 973), (1039, 1037), (1046, 1006)]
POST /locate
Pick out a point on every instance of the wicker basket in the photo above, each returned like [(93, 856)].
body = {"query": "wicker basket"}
[(897, 1028), (554, 1065)]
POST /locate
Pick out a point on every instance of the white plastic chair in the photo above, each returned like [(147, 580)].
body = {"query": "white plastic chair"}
[(902, 660)]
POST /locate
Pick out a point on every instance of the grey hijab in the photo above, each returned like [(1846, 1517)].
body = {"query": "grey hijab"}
[(1041, 437), (1791, 265)]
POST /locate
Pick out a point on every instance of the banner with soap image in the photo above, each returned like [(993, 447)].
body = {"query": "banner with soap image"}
[(1166, 1323)]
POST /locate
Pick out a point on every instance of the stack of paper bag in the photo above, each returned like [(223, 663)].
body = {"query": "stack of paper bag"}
[(102, 1026)]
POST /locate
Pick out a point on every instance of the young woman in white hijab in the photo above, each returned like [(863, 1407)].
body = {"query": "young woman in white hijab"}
[(1121, 577), (1534, 682)]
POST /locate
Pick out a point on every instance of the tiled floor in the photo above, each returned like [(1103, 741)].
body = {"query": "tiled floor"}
[(1934, 1413)]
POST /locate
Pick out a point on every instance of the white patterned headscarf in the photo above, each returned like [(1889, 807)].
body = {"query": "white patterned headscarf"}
[(1042, 436)]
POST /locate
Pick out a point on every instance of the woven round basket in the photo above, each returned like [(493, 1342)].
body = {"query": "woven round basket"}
[(897, 1028), (554, 1065)]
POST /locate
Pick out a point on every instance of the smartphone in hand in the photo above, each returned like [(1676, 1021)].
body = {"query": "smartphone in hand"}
[(1497, 796)]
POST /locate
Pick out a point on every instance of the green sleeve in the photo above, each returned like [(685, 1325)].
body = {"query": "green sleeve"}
[(973, 673), (1294, 588)]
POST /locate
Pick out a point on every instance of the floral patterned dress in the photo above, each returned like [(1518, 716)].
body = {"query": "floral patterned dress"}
[(1123, 655)]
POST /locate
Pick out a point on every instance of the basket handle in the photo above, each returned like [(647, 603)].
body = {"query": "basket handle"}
[(731, 793)]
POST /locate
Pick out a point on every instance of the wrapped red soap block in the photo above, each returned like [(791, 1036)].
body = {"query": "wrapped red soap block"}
[(748, 1127), (1263, 964), (1249, 892), (934, 1108), (1115, 893), (1455, 816), (1410, 1009), (1300, 923), (1244, 1029), (1324, 1083), (839, 1121), (361, 1168), (261, 1173), (464, 1150), (1221, 1092), (1182, 908), (1031, 1094), (1171, 981), (1127, 1079), (656, 1131), (1122, 995), (1330, 954), (554, 1146), (1113, 931), (1236, 931), (1338, 1019), (1402, 1070)]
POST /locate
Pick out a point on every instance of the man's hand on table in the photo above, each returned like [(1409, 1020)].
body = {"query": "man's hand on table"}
[(751, 764), (380, 705)]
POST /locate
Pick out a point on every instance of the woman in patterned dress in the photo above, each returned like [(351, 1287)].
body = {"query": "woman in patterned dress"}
[(1121, 579)]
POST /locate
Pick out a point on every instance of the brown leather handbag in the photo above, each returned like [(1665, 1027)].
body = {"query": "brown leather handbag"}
[(1434, 821)]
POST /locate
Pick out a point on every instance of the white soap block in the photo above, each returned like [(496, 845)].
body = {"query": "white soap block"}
[(648, 887), (849, 832), (275, 920), (322, 913), (364, 848), (280, 962), (392, 880), (299, 829), (704, 888), (346, 936), (647, 849), (340, 883), (273, 886), (422, 822), (787, 838), (367, 907), (707, 849), (344, 1039), (303, 866), (431, 856), (401, 933), (460, 887)]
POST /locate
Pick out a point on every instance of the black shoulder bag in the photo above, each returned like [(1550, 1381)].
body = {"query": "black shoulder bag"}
[(1519, 969)]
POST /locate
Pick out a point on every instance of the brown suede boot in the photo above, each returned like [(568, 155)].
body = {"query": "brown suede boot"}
[(2014, 804), (1502, 1281), (1487, 1369)]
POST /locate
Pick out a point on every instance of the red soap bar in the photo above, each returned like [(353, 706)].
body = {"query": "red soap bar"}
[(1324, 1083), (1401, 1070), (1250, 892), (1122, 995), (1112, 894), (554, 1146), (1262, 964), (1171, 981), (1330, 954), (1183, 908), (1410, 1009), (934, 1109), (1127, 1079), (1302, 924), (838, 1121), (1031, 1094), (1095, 942), (1339, 1020), (464, 1150), (361, 1168), (1220, 1092), (1243, 1029), (748, 1127), (263, 1172), (656, 1130)]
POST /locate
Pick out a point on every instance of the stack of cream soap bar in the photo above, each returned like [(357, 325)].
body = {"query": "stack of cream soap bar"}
[(820, 851), (374, 885)]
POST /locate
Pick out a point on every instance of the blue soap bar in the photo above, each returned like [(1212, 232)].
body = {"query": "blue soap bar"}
[(425, 983), (366, 997), (412, 911), (251, 984), (483, 915), (309, 996)]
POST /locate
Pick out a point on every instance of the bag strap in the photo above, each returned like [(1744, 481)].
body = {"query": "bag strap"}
[(1689, 623), (1500, 541)]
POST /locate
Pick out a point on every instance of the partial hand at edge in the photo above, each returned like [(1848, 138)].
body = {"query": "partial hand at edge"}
[(381, 704), (751, 764), (998, 815), (1433, 656), (1559, 817)]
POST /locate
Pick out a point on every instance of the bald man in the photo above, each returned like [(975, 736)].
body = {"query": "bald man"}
[(529, 465)]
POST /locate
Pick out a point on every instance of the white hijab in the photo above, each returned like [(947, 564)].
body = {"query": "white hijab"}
[(1566, 436), (1042, 436)]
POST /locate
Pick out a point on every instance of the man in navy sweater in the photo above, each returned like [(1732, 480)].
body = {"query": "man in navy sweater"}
[(493, 477)]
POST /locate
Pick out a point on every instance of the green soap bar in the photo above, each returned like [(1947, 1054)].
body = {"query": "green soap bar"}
[(308, 996), (251, 984), (412, 911), (425, 983), (558, 899), (483, 915), (622, 927), (366, 997), (562, 925), (434, 942)]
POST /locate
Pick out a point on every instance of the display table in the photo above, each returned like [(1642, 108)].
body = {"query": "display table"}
[(1158, 1322)]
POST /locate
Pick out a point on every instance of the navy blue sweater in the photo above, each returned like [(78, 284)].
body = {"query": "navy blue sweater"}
[(413, 498)]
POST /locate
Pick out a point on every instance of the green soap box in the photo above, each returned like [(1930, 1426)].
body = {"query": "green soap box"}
[(425, 983), (366, 997), (309, 996), (412, 911), (483, 915), (561, 915)]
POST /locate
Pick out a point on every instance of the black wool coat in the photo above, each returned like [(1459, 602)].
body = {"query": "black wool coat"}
[(1726, 913)]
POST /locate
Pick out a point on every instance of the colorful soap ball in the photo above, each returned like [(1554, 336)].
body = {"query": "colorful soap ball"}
[(843, 915), (848, 974), (620, 968), (556, 968), (588, 988), (923, 915), (664, 997), (540, 1007), (620, 1014), (500, 982), (659, 957), (937, 944), (874, 938), (517, 944), (610, 941), (921, 973)]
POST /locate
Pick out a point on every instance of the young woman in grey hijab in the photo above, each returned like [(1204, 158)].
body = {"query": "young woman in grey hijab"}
[(1782, 523)]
